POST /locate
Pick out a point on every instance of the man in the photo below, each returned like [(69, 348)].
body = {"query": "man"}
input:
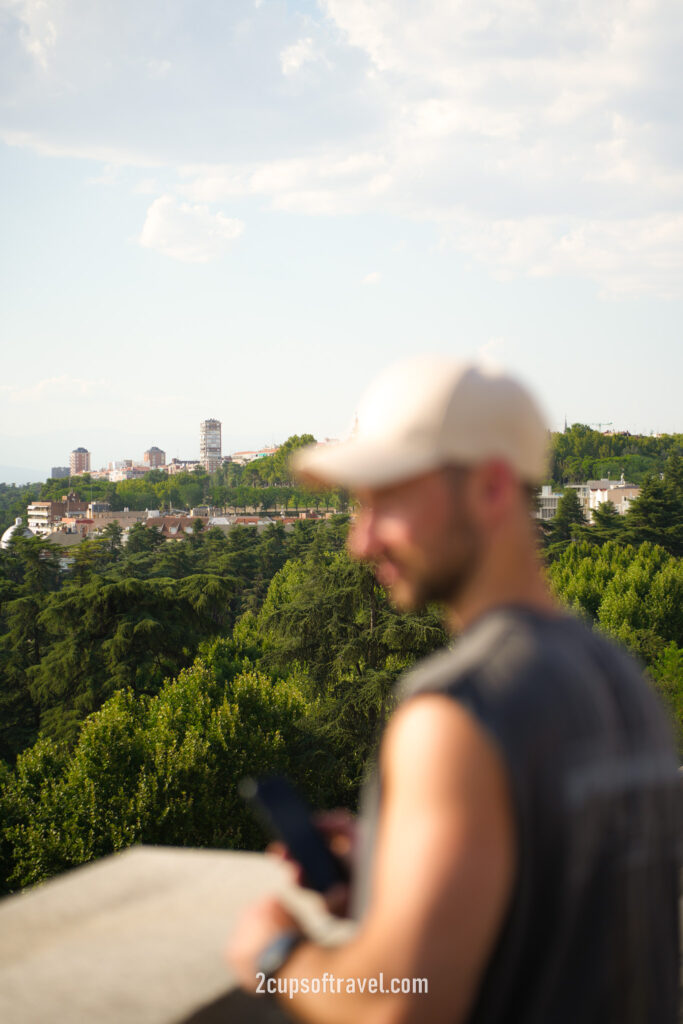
[(520, 838)]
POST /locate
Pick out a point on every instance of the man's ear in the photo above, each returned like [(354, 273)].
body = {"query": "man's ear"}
[(495, 488)]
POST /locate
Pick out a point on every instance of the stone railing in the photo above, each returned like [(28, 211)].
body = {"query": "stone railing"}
[(138, 938)]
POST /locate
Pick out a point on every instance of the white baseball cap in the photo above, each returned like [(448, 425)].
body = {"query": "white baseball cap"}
[(431, 411)]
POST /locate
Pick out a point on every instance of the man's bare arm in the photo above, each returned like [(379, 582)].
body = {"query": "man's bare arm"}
[(442, 878)]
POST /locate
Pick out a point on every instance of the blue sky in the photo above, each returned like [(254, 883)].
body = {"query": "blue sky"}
[(243, 210)]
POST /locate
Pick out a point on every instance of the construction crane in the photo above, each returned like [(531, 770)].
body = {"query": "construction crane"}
[(599, 425)]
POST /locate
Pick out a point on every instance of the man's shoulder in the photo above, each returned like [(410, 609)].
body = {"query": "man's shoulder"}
[(517, 647), (505, 638), (522, 671)]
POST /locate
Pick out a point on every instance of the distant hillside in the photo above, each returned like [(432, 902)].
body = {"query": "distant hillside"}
[(581, 454)]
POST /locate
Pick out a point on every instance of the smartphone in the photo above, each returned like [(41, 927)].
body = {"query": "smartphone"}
[(287, 816)]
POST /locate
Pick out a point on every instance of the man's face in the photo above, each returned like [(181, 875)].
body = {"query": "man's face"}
[(420, 536)]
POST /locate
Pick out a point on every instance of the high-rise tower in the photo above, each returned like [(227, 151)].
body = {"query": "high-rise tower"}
[(79, 461), (210, 444)]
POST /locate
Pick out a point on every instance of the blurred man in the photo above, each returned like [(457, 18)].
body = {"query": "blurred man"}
[(519, 839)]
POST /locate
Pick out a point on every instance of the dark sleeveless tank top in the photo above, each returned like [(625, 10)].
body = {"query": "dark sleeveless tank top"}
[(592, 932)]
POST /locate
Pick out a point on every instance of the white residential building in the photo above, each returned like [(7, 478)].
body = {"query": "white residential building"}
[(548, 501), (39, 517), (620, 494)]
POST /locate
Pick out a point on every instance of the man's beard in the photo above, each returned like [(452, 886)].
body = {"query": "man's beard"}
[(446, 583)]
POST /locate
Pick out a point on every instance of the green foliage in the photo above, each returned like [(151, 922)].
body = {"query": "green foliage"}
[(327, 614), (141, 538), (608, 524), (667, 674), (159, 770), (636, 596), (656, 515), (568, 516), (144, 631), (298, 650), (582, 454), (262, 485), (150, 677), (13, 501), (123, 616)]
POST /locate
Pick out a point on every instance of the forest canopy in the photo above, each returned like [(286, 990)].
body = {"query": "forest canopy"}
[(140, 682)]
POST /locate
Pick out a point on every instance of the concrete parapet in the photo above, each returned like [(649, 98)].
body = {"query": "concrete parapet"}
[(138, 938)]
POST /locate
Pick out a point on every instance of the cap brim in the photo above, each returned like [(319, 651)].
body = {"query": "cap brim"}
[(357, 464)]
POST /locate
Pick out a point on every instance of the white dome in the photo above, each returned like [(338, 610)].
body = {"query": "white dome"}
[(11, 530)]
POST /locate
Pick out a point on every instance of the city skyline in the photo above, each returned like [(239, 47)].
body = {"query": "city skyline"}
[(247, 209), (189, 455)]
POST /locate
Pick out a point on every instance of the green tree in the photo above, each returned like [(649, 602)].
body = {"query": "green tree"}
[(656, 515), (32, 575), (113, 535), (608, 524), (107, 636), (667, 675), (327, 614), (90, 557), (569, 516), (161, 770), (142, 538)]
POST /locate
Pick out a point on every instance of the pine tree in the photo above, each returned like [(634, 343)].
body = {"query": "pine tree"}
[(569, 514)]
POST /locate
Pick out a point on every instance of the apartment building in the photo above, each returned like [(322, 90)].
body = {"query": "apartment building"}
[(154, 457), (548, 501), (79, 461), (43, 516), (210, 444), (591, 494), (620, 494)]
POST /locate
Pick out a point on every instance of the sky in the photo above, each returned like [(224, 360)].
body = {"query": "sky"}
[(244, 210)]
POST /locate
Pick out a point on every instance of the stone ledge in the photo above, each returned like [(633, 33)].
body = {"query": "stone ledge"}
[(138, 938)]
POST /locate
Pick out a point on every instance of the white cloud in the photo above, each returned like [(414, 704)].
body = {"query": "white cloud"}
[(107, 153), (295, 56), (623, 256), (189, 233), (540, 138), (639, 255), (38, 33), (326, 184), (374, 277)]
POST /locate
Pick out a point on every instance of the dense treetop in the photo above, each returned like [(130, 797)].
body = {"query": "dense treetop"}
[(581, 454)]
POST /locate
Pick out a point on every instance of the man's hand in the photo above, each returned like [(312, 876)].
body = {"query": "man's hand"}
[(257, 927), (339, 829)]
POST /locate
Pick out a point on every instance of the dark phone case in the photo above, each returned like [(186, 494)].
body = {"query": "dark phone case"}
[(288, 817)]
